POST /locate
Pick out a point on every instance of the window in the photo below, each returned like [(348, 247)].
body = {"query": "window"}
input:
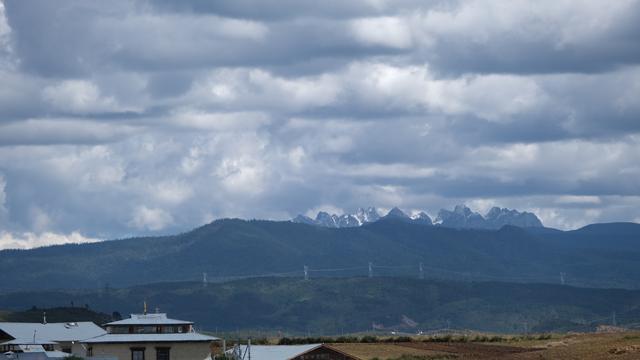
[(66, 350), (137, 353), (162, 353), (89, 351)]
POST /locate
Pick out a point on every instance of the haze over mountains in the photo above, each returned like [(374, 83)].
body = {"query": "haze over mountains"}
[(460, 218)]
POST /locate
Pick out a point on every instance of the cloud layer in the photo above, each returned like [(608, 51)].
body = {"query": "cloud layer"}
[(155, 116)]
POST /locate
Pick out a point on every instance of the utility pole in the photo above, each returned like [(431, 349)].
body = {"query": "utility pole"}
[(306, 272), (613, 319), (562, 278), (204, 279), (370, 269), (421, 272)]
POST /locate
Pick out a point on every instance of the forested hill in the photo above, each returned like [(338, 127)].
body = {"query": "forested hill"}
[(336, 305), (605, 255)]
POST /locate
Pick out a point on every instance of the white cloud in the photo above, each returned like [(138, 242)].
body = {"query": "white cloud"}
[(243, 175), (218, 121), (3, 199), (5, 31), (386, 31), (88, 168), (560, 22), (493, 97), (29, 240), (259, 89), (78, 96), (579, 200), (40, 219), (330, 209), (62, 131), (397, 170), (154, 219), (175, 116), (171, 191)]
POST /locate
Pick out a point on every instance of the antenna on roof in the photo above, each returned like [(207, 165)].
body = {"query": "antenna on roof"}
[(44, 318)]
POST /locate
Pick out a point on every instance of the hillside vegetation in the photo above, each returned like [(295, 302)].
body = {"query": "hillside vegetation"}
[(346, 305), (605, 255)]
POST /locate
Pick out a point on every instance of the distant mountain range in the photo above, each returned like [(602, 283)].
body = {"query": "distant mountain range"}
[(460, 218), (600, 255)]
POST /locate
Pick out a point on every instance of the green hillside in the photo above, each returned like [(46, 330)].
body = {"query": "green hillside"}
[(57, 315), (333, 306), (597, 256)]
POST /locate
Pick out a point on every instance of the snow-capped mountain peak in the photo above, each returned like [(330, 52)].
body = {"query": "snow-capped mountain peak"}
[(460, 217)]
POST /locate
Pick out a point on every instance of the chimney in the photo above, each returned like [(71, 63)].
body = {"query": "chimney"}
[(44, 317)]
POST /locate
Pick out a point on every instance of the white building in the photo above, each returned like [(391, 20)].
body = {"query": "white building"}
[(150, 337)]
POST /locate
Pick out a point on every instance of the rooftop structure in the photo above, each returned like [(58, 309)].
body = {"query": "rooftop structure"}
[(148, 319), (50, 332), (46, 337), (289, 352)]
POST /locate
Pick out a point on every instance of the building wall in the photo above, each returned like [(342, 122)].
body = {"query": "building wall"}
[(76, 347), (179, 351)]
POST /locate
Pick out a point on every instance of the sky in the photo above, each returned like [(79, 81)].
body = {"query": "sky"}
[(126, 118)]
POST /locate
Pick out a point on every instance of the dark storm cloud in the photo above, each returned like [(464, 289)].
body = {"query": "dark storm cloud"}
[(143, 117)]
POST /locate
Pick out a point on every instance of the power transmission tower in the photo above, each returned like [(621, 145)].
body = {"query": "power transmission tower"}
[(421, 272), (370, 269), (306, 272)]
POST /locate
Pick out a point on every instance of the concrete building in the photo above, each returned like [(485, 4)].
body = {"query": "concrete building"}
[(150, 337), (53, 339)]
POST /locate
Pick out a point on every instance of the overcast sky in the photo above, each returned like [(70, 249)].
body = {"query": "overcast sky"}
[(122, 118)]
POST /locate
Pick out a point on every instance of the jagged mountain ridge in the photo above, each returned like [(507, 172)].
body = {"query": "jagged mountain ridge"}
[(461, 217)]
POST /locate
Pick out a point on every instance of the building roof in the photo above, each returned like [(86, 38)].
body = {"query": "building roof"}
[(20, 341), (278, 352), (36, 355), (149, 319), (45, 333), (142, 338)]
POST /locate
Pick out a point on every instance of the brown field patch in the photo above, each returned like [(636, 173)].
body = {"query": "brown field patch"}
[(595, 346), (385, 351)]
